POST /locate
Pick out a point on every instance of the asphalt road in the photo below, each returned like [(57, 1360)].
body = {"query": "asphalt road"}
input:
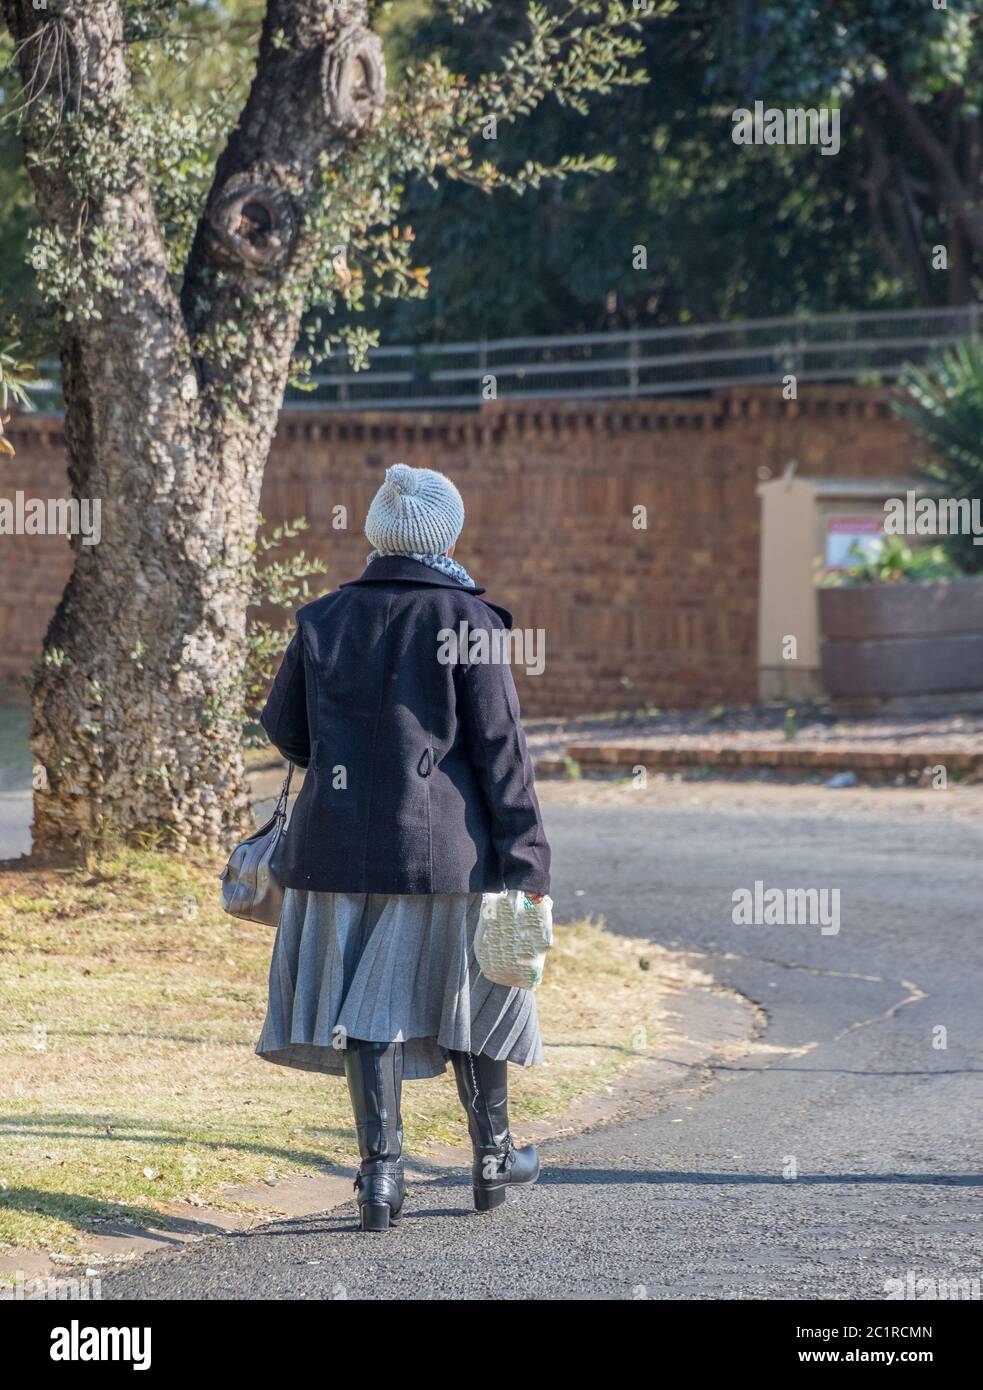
[(841, 1153)]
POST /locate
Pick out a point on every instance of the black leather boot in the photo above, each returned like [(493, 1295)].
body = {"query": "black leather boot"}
[(374, 1071), (482, 1084)]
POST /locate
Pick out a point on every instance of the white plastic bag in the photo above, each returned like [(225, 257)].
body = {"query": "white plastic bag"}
[(513, 937)]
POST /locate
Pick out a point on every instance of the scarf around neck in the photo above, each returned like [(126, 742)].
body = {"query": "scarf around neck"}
[(444, 563)]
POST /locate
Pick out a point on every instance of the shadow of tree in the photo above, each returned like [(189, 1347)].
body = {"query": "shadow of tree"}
[(136, 1130), (85, 1213), (90, 1213)]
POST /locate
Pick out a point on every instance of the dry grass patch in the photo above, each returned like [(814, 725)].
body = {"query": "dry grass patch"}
[(131, 1007)]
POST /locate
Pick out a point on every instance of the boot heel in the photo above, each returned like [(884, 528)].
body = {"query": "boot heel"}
[(488, 1198), (375, 1216)]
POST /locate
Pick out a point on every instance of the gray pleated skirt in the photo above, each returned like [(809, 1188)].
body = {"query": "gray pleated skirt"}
[(388, 969)]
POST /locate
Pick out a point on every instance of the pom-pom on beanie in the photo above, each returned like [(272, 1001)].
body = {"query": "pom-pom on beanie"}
[(417, 511)]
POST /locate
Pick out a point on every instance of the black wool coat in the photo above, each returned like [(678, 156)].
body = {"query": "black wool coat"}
[(418, 776)]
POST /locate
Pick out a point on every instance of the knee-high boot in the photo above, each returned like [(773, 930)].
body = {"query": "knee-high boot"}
[(374, 1072), (482, 1084)]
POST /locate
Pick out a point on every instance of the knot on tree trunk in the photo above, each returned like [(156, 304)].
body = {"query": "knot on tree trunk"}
[(353, 80), (252, 222)]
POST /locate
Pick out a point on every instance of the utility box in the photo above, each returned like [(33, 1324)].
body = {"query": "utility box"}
[(808, 526)]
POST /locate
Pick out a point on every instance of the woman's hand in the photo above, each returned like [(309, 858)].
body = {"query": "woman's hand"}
[(535, 897)]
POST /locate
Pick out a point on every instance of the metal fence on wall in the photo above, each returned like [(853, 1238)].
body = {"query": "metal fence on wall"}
[(863, 347)]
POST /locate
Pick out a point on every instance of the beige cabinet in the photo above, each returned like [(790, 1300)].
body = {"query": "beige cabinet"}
[(807, 527)]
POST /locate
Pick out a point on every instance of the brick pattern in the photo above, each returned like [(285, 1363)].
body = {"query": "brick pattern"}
[(33, 569), (612, 757), (664, 615)]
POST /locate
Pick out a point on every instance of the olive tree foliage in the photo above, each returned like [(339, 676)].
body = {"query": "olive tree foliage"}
[(181, 285), (278, 583), (16, 376)]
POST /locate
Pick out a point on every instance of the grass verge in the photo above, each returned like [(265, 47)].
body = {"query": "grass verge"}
[(132, 1004)]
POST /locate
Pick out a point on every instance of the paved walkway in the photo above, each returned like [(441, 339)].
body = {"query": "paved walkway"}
[(842, 1153)]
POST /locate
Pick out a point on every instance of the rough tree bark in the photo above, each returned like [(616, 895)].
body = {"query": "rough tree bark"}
[(135, 707)]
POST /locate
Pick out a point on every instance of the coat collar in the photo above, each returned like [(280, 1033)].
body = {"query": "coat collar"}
[(400, 569)]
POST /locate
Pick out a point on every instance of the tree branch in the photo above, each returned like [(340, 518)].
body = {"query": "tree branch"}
[(122, 334), (319, 84), (906, 222), (939, 157), (877, 186)]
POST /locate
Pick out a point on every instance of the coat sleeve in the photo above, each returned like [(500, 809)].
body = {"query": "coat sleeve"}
[(284, 715), (490, 716)]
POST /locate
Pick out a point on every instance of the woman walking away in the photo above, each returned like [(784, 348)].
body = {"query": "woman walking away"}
[(418, 798)]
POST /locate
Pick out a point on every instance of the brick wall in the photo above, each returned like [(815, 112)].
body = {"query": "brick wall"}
[(33, 569), (663, 616)]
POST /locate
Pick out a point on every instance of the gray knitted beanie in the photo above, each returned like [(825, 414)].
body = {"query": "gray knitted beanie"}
[(417, 511)]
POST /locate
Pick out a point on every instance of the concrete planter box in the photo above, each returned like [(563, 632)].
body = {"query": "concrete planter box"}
[(883, 641)]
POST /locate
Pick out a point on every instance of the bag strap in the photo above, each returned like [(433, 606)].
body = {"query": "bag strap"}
[(281, 802)]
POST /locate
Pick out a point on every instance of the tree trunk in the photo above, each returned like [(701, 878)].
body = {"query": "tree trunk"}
[(960, 200), (135, 712), (136, 708)]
